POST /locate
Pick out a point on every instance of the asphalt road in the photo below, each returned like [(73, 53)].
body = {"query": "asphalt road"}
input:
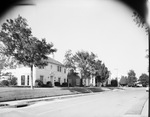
[(115, 103)]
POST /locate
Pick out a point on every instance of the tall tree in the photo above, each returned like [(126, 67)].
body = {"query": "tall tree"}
[(123, 81), (83, 61), (131, 78), (68, 61), (102, 73), (20, 44), (144, 79), (69, 64)]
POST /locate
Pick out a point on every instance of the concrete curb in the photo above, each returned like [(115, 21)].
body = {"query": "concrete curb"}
[(27, 102)]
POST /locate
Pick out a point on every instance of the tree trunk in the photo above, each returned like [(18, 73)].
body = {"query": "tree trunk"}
[(68, 82), (32, 77)]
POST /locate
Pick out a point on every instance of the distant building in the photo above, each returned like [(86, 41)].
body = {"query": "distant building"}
[(54, 72)]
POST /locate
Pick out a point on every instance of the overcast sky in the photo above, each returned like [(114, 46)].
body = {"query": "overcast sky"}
[(104, 27)]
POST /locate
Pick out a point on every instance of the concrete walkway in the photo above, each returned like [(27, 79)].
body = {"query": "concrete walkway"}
[(144, 111)]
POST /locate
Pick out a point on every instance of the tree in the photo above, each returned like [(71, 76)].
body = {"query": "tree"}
[(140, 21), (131, 78), (105, 73), (123, 81), (102, 73), (87, 64), (144, 79), (68, 61), (6, 61), (2, 58), (20, 44), (98, 73), (114, 82), (83, 61)]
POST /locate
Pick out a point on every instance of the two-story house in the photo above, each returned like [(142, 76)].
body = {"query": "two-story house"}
[(54, 72)]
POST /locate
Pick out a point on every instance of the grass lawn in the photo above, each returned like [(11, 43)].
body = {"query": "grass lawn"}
[(19, 93)]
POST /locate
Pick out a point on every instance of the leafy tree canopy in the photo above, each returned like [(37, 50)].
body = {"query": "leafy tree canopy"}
[(123, 80), (19, 43), (131, 77), (88, 65), (144, 79)]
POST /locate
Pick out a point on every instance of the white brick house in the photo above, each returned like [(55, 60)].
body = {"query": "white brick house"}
[(54, 72)]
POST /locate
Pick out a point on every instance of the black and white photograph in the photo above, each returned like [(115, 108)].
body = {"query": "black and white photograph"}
[(74, 58)]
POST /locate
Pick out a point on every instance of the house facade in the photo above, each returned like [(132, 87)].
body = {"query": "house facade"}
[(54, 72), (89, 81)]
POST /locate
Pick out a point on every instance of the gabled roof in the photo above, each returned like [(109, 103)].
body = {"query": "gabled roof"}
[(51, 60)]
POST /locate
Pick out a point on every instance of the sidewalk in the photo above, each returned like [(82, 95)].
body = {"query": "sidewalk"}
[(145, 109), (143, 113)]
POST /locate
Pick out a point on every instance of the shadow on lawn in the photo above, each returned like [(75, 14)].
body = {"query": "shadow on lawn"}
[(112, 88), (83, 89)]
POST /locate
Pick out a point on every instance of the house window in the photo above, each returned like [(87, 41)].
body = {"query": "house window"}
[(64, 70), (59, 80), (64, 80), (57, 68), (41, 78), (23, 80), (28, 80), (60, 69)]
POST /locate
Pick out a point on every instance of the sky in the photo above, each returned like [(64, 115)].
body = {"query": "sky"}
[(104, 27)]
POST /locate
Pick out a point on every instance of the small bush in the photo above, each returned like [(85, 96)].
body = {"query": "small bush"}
[(49, 84), (38, 83), (114, 83), (65, 84), (13, 81), (57, 83), (4, 83)]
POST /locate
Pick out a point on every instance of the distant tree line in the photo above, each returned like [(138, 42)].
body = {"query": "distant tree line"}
[(132, 80)]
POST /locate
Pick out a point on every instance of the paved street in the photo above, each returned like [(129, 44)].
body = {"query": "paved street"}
[(117, 103)]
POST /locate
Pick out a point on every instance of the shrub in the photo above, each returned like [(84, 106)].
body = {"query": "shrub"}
[(4, 83), (57, 83), (38, 83), (13, 81), (49, 84), (114, 83), (65, 84)]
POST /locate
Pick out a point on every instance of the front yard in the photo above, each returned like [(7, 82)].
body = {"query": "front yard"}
[(19, 93)]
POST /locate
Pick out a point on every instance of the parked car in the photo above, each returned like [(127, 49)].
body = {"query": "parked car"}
[(138, 85)]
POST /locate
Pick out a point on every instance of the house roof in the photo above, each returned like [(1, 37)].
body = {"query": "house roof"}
[(51, 60)]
